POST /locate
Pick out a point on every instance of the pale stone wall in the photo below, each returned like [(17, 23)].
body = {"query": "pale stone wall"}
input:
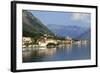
[(47, 41)]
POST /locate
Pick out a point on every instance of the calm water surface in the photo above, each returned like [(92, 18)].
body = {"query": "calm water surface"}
[(69, 52)]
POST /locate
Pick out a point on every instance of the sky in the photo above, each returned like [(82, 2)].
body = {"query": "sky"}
[(63, 18)]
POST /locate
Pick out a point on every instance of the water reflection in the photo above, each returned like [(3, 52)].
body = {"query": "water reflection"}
[(38, 52), (46, 52), (69, 48), (68, 52)]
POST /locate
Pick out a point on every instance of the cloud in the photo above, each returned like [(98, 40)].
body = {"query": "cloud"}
[(84, 17)]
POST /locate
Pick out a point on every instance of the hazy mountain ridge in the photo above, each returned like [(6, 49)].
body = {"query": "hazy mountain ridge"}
[(71, 31)]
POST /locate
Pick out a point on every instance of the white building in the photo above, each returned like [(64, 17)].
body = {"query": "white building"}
[(26, 40)]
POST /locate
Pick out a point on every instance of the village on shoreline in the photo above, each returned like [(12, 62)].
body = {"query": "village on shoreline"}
[(50, 41)]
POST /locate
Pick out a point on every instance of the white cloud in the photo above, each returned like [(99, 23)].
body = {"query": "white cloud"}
[(84, 17)]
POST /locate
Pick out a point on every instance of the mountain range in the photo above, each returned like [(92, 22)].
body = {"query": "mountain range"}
[(33, 27)]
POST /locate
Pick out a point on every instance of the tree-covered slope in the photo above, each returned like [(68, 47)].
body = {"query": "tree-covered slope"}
[(32, 26)]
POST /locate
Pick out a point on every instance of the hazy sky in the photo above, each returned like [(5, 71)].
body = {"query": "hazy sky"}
[(63, 18)]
